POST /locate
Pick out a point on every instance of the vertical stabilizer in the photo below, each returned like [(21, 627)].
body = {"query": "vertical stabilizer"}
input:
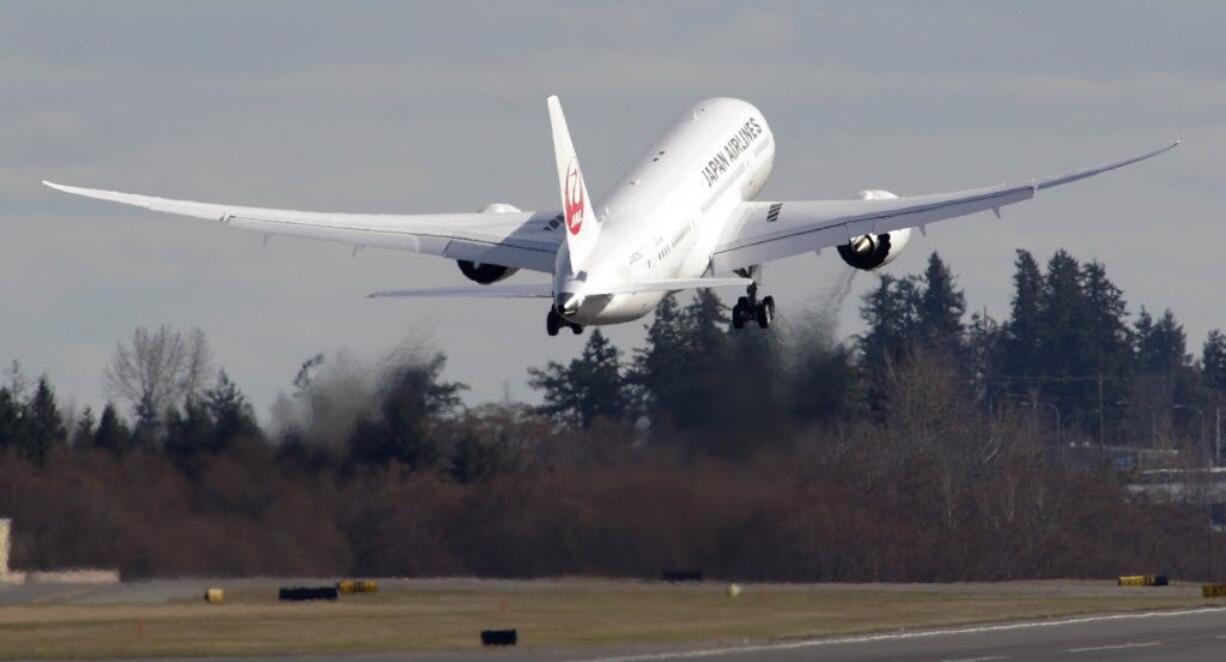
[(582, 226)]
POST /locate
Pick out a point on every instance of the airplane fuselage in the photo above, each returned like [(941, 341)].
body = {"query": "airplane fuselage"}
[(665, 215)]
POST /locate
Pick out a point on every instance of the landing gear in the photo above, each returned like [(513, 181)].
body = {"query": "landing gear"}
[(555, 322), (748, 308)]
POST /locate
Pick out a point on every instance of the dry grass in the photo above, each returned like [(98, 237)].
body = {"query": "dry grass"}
[(564, 613)]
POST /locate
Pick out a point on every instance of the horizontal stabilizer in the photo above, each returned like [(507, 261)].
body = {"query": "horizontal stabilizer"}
[(545, 290), (671, 284), (508, 291)]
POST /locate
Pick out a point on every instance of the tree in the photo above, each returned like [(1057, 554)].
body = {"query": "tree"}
[(890, 313), (590, 387), (1021, 335), (12, 423), (1213, 360), (1161, 347), (413, 394), (1106, 325), (83, 433), (661, 364), (112, 435), (158, 369), (44, 425), (939, 310), (230, 412)]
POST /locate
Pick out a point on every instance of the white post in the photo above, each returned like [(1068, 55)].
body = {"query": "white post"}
[(1217, 441), (4, 548)]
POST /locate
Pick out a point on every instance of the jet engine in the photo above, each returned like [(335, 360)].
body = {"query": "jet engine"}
[(482, 273), (870, 251)]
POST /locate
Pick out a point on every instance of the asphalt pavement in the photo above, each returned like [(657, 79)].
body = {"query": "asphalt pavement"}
[(1179, 636)]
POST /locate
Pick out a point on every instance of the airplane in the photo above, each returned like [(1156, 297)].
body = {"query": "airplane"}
[(682, 217)]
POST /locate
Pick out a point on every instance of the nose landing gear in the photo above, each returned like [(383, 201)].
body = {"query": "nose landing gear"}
[(749, 308), (555, 322)]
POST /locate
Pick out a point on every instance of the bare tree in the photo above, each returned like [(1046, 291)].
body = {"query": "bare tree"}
[(159, 368)]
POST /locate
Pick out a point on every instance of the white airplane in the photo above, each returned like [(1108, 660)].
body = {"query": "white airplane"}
[(684, 216)]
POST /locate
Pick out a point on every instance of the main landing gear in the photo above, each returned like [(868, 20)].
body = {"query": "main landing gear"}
[(749, 308), (555, 322)]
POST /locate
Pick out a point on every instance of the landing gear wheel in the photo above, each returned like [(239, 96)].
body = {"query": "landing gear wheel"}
[(765, 312), (739, 313), (576, 328), (553, 323)]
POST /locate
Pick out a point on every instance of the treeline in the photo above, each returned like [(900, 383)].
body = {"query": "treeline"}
[(913, 452)]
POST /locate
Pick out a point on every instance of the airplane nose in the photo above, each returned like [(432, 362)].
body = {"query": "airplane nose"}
[(567, 304)]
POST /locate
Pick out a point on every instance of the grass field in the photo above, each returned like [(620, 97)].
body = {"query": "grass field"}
[(442, 614)]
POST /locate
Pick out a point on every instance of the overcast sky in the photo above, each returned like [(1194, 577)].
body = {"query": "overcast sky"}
[(402, 107)]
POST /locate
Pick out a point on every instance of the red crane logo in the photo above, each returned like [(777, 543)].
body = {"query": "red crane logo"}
[(574, 199)]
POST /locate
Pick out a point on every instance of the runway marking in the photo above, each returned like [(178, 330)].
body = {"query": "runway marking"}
[(1089, 649), (920, 634)]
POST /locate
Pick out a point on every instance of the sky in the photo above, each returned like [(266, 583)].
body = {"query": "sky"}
[(432, 107)]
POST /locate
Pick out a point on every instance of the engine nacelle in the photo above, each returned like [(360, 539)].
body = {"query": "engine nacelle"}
[(488, 273), (871, 251), (484, 273)]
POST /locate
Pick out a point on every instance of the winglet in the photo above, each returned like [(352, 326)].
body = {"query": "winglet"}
[(582, 226)]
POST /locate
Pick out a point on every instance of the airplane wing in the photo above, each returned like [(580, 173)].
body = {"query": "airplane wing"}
[(520, 239), (766, 231)]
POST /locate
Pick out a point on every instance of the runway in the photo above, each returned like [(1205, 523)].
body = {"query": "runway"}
[(1182, 636)]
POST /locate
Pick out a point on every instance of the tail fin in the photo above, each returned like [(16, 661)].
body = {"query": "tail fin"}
[(582, 226)]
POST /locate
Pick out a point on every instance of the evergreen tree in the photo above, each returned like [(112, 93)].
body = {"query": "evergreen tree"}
[(11, 420), (1161, 347), (1063, 334), (111, 435), (1021, 336), (660, 366), (590, 387), (230, 412), (704, 325), (1213, 361), (83, 433), (413, 395), (984, 337), (890, 313), (1109, 337), (939, 312), (44, 424), (188, 432)]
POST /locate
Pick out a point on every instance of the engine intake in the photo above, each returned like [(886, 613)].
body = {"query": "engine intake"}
[(484, 273), (871, 251)]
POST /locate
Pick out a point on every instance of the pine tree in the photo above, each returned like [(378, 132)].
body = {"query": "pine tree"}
[(705, 325), (1213, 361), (44, 424), (890, 312), (1161, 346), (83, 433), (940, 309), (661, 364), (591, 387), (1109, 337), (413, 394), (111, 435), (1021, 336), (12, 428), (230, 412)]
